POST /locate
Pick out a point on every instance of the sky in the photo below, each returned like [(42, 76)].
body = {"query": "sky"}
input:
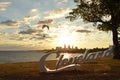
[(21, 23)]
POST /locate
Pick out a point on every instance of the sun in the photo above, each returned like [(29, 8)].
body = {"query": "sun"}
[(66, 38)]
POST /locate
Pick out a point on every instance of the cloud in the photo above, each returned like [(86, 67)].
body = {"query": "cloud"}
[(44, 22), (28, 31), (47, 21), (41, 36), (4, 35), (2, 9), (62, 1), (10, 46), (30, 17), (20, 38), (4, 5), (58, 13), (33, 15), (9, 23), (38, 37), (12, 36), (17, 38), (33, 10), (83, 31)]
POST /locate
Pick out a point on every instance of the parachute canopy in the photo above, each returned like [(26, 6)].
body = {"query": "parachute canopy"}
[(45, 26)]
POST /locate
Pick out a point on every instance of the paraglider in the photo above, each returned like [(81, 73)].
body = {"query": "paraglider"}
[(45, 26)]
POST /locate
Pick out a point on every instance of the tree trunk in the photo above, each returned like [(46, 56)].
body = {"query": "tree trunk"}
[(116, 43)]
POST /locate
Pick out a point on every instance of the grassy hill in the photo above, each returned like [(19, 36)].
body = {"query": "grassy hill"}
[(102, 69)]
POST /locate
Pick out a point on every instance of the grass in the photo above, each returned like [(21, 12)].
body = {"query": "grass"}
[(102, 69)]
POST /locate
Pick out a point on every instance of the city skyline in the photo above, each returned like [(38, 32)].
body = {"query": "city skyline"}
[(67, 47)]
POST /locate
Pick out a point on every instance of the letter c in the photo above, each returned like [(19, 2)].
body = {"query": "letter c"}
[(42, 61)]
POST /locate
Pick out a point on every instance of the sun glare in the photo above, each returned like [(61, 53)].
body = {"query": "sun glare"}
[(66, 38)]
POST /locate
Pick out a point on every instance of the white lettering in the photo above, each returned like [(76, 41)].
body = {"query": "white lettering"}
[(73, 62)]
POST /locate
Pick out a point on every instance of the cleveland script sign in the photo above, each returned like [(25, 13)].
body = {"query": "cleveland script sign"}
[(73, 62)]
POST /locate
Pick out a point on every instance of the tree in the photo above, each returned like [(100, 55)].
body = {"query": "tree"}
[(105, 15)]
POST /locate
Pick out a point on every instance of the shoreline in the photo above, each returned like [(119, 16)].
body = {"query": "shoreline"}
[(104, 69), (17, 62)]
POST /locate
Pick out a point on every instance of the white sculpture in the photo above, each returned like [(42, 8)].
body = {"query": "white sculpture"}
[(74, 62)]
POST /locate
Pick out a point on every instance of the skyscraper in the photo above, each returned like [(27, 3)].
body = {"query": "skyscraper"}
[(64, 46)]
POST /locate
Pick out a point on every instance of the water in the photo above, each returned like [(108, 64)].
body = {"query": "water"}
[(27, 56), (22, 56)]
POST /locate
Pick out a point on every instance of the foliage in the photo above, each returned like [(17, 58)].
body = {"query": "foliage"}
[(103, 13)]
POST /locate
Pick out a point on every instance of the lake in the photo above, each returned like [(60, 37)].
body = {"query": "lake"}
[(25, 56), (22, 56)]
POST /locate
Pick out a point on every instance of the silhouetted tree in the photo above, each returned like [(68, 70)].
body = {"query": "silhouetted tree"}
[(119, 36), (105, 14)]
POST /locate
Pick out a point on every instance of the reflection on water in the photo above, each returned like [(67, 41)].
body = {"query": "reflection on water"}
[(27, 56)]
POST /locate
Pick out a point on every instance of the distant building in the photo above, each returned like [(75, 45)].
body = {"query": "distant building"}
[(69, 47), (64, 46), (58, 48), (76, 47), (53, 49), (72, 47)]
